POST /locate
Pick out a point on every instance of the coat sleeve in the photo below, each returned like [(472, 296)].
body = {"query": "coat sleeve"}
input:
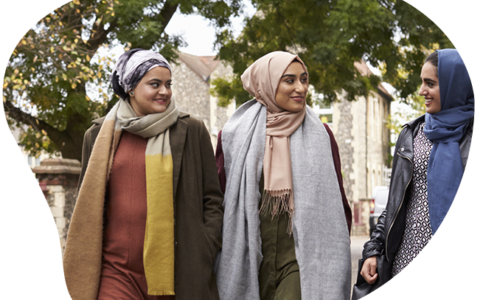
[(86, 152), (376, 245), (212, 194), (338, 170), (220, 159), (88, 142)]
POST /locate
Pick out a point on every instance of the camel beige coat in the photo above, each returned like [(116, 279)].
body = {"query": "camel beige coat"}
[(198, 214)]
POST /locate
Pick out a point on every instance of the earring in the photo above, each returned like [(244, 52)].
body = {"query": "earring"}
[(132, 93)]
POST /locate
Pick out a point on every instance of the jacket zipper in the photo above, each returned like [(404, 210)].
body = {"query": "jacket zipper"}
[(401, 203)]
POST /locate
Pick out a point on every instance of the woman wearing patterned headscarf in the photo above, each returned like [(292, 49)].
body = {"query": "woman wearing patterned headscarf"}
[(430, 156), (147, 221), (287, 220)]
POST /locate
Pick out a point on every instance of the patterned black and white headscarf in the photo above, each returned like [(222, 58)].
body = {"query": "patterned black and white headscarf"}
[(132, 66)]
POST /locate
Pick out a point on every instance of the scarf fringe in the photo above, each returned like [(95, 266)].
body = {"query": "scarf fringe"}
[(277, 205)]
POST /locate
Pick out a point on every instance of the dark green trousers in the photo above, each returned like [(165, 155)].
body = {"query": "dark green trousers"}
[(279, 275)]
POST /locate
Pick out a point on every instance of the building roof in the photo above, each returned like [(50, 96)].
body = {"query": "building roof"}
[(364, 70), (203, 66)]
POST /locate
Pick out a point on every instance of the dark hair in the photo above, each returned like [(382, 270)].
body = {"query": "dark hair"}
[(117, 88), (433, 59)]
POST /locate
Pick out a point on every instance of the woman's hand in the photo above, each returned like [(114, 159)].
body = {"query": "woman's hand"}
[(369, 270)]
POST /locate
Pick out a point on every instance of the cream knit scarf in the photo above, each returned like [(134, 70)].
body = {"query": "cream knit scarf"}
[(83, 252)]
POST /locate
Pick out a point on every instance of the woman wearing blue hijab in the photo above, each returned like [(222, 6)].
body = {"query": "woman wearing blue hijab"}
[(430, 157)]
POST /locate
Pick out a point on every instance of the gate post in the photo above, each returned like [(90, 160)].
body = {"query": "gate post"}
[(58, 178)]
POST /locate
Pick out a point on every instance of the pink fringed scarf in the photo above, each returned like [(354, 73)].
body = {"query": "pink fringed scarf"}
[(261, 80)]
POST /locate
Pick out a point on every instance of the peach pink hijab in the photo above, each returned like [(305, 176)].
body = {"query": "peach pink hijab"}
[(261, 80)]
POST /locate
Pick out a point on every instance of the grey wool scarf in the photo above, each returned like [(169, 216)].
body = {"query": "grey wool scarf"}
[(322, 242)]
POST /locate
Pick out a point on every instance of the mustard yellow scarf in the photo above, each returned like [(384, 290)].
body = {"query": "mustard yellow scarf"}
[(83, 252)]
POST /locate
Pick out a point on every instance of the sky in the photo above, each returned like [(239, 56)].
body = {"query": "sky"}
[(199, 34)]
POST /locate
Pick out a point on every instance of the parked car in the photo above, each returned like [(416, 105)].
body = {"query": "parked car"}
[(377, 204)]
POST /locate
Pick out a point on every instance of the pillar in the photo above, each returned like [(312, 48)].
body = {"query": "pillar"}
[(58, 178)]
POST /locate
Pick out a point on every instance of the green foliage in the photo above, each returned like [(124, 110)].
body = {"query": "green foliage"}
[(56, 62), (330, 36), (396, 120), (414, 109), (226, 90), (35, 141)]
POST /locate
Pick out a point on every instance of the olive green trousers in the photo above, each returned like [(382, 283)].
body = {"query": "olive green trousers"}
[(279, 276)]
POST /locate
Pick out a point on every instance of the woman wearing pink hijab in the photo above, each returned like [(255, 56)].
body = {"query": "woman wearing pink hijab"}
[(287, 220)]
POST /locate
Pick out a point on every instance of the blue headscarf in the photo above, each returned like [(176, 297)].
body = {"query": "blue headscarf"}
[(445, 129)]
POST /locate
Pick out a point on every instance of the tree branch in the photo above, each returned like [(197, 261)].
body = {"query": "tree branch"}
[(100, 35), (37, 124), (167, 12)]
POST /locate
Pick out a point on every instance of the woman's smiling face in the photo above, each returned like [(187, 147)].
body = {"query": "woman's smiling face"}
[(430, 88), (153, 93), (292, 89)]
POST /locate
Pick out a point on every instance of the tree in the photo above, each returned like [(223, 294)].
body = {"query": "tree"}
[(54, 64), (329, 36)]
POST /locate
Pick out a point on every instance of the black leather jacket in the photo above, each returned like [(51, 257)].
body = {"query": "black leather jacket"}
[(388, 233)]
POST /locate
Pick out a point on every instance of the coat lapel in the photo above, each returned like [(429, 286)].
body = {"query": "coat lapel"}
[(178, 134)]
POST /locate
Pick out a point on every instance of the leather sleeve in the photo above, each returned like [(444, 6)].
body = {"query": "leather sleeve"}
[(376, 244)]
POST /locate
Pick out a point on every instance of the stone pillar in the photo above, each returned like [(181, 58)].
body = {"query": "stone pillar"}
[(44, 189), (58, 178), (361, 217)]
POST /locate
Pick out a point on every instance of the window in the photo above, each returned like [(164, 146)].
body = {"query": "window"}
[(326, 118), (323, 109)]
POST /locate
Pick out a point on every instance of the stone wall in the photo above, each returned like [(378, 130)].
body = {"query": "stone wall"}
[(362, 137), (220, 115), (191, 92), (360, 115), (192, 95), (377, 141), (58, 179), (342, 130)]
